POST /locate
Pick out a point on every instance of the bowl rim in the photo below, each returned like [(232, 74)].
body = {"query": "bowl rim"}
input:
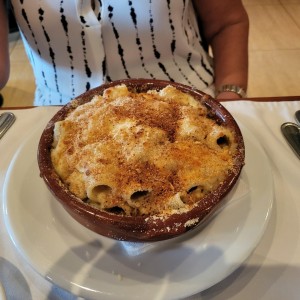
[(148, 228)]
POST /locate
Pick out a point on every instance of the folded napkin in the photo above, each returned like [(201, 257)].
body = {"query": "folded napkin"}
[(279, 245), (17, 277)]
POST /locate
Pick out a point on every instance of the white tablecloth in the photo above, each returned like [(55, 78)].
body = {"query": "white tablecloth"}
[(271, 272)]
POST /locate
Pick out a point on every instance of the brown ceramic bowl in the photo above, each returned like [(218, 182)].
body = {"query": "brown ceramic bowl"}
[(140, 228)]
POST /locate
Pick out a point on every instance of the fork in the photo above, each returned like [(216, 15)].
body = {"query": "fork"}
[(297, 116), (291, 132), (6, 120)]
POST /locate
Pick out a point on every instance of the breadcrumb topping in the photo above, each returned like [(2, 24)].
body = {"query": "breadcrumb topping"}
[(152, 153)]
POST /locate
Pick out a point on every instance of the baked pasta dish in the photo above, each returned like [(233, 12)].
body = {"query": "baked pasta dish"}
[(149, 153)]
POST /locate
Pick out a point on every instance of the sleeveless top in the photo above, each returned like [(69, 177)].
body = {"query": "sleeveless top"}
[(75, 45)]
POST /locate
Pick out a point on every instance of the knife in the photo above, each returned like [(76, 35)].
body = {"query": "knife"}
[(291, 132), (297, 116), (6, 120)]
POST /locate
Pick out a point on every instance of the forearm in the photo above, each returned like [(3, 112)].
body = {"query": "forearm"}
[(230, 52), (4, 49), (226, 28)]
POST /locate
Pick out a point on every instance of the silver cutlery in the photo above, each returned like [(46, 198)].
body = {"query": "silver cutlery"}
[(6, 120), (297, 116), (291, 132), (2, 292)]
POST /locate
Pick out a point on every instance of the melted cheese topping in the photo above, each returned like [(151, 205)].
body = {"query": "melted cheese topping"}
[(154, 153)]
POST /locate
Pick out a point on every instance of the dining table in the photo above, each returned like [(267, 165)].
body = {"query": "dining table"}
[(250, 249)]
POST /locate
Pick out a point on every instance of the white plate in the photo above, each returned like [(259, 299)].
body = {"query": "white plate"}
[(92, 266)]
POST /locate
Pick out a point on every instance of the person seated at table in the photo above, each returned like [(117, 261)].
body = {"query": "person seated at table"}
[(4, 53), (75, 45)]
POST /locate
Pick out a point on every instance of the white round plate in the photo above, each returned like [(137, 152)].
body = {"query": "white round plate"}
[(92, 266)]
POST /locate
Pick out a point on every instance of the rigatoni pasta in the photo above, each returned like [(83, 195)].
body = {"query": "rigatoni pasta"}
[(147, 153)]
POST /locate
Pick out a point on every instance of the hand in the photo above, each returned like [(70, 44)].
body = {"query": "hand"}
[(228, 96)]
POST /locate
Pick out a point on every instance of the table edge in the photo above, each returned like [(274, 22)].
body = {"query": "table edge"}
[(254, 99)]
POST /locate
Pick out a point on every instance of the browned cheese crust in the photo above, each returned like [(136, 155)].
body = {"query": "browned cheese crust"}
[(154, 153)]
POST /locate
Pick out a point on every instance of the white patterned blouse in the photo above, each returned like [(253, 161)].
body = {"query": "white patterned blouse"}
[(75, 45)]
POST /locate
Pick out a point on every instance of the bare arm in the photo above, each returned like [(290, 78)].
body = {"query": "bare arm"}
[(4, 53), (226, 28)]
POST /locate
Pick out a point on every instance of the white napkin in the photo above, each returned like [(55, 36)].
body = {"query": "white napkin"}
[(18, 279), (263, 119)]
